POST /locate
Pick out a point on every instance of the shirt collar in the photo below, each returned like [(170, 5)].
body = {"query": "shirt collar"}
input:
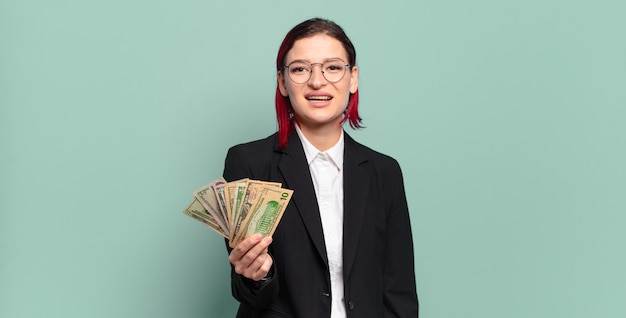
[(335, 153)]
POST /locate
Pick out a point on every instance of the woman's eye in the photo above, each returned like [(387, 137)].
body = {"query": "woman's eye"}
[(334, 68), (298, 68)]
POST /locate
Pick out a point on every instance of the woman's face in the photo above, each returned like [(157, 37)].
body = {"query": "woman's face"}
[(318, 103)]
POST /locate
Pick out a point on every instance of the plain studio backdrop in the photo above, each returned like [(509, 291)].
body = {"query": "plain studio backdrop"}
[(507, 117)]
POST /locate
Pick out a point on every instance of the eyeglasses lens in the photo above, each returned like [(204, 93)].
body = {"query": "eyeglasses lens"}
[(300, 72)]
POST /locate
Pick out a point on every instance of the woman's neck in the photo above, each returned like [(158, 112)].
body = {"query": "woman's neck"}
[(323, 137)]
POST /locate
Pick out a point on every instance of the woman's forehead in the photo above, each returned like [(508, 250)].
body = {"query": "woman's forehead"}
[(317, 48)]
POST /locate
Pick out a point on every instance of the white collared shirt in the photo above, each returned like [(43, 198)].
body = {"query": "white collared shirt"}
[(327, 173)]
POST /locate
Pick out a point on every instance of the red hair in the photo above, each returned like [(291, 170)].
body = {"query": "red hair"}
[(284, 110)]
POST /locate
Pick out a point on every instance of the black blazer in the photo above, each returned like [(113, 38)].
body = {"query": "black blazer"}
[(378, 265)]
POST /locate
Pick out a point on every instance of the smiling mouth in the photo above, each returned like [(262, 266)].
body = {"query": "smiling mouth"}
[(319, 98)]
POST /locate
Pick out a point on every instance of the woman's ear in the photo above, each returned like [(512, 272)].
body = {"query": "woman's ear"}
[(281, 84), (354, 80)]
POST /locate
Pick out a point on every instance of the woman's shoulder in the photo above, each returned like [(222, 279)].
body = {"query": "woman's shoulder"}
[(374, 156), (260, 145), (250, 159)]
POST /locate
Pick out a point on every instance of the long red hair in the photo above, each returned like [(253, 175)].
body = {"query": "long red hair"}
[(284, 110)]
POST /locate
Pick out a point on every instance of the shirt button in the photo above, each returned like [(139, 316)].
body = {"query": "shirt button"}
[(350, 305)]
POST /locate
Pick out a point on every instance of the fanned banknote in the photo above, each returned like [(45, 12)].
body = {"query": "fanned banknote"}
[(240, 208), (198, 212), (235, 192), (264, 216), (249, 196), (208, 199)]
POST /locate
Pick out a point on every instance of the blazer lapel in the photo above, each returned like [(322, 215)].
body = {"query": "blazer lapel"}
[(356, 180), (295, 171)]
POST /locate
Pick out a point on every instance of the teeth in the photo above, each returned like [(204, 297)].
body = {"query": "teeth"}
[(318, 98)]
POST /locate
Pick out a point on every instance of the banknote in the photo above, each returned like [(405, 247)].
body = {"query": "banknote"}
[(264, 215), (198, 212), (237, 197), (208, 199), (221, 201), (246, 199)]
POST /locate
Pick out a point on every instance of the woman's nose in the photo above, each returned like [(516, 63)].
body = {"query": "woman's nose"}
[(317, 76)]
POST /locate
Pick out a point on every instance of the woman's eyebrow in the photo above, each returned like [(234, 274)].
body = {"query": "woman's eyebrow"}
[(308, 61)]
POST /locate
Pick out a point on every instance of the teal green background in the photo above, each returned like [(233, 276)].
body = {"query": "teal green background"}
[(507, 118)]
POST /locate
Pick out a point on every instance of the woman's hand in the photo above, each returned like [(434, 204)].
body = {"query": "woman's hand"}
[(250, 258)]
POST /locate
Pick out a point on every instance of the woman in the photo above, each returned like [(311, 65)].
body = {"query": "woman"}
[(343, 247)]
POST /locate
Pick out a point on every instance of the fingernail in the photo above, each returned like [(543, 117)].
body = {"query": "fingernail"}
[(257, 236), (268, 239)]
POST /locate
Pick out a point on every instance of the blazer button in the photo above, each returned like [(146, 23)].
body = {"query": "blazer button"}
[(350, 305)]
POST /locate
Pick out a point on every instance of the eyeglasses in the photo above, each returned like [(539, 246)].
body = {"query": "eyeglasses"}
[(300, 72)]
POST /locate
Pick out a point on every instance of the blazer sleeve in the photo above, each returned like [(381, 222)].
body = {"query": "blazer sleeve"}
[(247, 292), (400, 296)]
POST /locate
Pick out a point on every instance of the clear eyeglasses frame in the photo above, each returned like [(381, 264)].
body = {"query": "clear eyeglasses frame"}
[(300, 71)]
